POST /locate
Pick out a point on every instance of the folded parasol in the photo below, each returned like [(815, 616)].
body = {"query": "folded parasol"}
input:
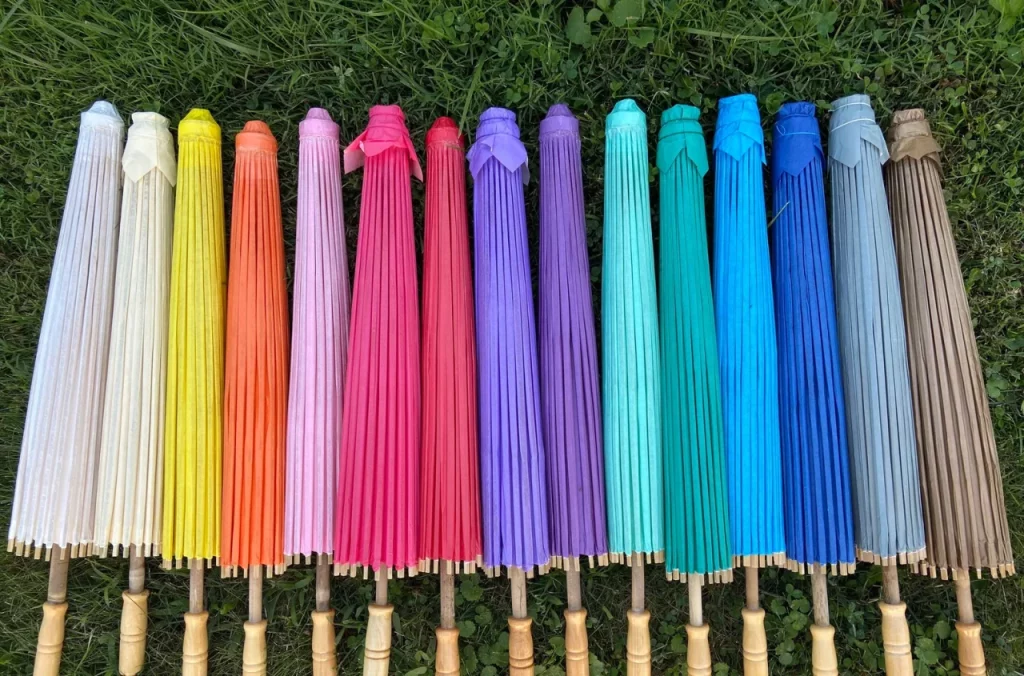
[(515, 512), (964, 510), (377, 510), (815, 467), (631, 381), (697, 546), (450, 528), (53, 512), (888, 526), (129, 488), (570, 395), (194, 423), (255, 381), (745, 319), (319, 351)]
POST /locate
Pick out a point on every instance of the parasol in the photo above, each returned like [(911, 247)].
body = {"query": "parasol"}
[(818, 511), (744, 317), (450, 530), (377, 510), (964, 511), (319, 350), (515, 512), (194, 423), (130, 468), (255, 382), (53, 512), (888, 527), (570, 394), (631, 382), (697, 546)]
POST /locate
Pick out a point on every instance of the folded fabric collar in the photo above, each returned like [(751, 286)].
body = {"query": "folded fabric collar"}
[(681, 133), (739, 126), (853, 121), (385, 130), (911, 136), (149, 146), (497, 136), (796, 140)]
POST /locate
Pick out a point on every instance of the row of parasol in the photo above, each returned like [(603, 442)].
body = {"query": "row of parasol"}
[(811, 399)]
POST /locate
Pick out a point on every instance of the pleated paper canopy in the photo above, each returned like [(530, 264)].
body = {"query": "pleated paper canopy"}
[(964, 509), (377, 513), (888, 526), (696, 494), (320, 343), (815, 467), (745, 319), (515, 511), (631, 383), (129, 495), (256, 362), (55, 494), (450, 520), (570, 390), (194, 425)]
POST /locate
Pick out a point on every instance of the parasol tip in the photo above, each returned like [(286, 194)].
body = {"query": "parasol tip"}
[(444, 131), (256, 135), (559, 110), (626, 114), (318, 114), (559, 119), (318, 122), (105, 108), (797, 109), (199, 123), (497, 113), (150, 117), (199, 115), (680, 113)]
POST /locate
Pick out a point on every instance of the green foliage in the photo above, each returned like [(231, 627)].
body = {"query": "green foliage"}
[(962, 62)]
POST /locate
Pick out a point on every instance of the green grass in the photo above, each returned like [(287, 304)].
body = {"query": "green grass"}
[(244, 59)]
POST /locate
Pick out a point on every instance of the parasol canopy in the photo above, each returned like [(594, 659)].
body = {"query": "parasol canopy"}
[(962, 498), (130, 484), (696, 495), (745, 319), (818, 509), (320, 343), (55, 493), (512, 469), (888, 526), (377, 509), (570, 394), (631, 384), (256, 362)]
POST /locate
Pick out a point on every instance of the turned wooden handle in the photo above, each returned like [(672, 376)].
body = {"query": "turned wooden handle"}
[(325, 662), (134, 618), (51, 639), (823, 651), (377, 653), (896, 639), (638, 643), (446, 661), (755, 643), (254, 650), (972, 652), (698, 650), (577, 649), (520, 646), (195, 649)]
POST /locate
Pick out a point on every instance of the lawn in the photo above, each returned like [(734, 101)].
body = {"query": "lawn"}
[(246, 59)]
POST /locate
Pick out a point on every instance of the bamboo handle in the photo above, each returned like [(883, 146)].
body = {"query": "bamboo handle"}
[(377, 653), (638, 643), (254, 650), (971, 651), (896, 639), (577, 649), (823, 651), (195, 650), (520, 646), (698, 650), (446, 661), (134, 618), (755, 643), (51, 639), (325, 662)]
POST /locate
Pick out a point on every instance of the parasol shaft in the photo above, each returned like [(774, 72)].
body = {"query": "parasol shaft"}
[(518, 579), (895, 630), (753, 594), (377, 653), (890, 584), (134, 617), (696, 600), (698, 647), (447, 596), (964, 604), (824, 661), (577, 644), (520, 629), (638, 582), (573, 590), (255, 593), (195, 648), (323, 583), (51, 632), (755, 642), (57, 589), (638, 632), (325, 659), (254, 650), (971, 652), (136, 571), (446, 660), (819, 596), (195, 586), (381, 587)]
